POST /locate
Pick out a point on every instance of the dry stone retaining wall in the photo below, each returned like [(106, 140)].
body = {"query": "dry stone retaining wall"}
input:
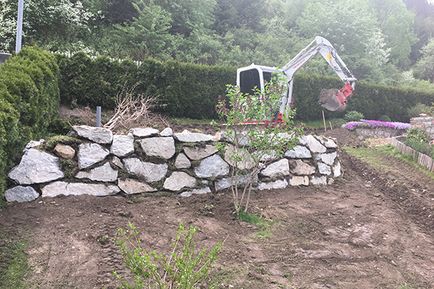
[(425, 123), (98, 163)]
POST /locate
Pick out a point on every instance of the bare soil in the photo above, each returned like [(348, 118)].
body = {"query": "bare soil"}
[(370, 229)]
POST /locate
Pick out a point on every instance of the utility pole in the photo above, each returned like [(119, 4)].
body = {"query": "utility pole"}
[(19, 38)]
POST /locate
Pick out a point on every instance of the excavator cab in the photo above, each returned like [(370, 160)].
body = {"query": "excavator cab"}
[(254, 77)]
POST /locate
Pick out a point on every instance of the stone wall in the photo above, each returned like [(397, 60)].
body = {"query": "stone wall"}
[(96, 162), (425, 123)]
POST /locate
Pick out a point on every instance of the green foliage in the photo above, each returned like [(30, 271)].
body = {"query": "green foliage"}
[(262, 224), (419, 140), (29, 100), (417, 135), (425, 66), (353, 116), (185, 267), (419, 109), (14, 265)]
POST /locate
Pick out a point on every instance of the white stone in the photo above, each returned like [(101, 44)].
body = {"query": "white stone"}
[(299, 181), (104, 173), (226, 183), (201, 191), (331, 181), (313, 144), (160, 147), (277, 169), (166, 132), (279, 184), (193, 137), (33, 144), (64, 151), (182, 162), (239, 157), (178, 181), (90, 154), (327, 142), (212, 167), (300, 168), (36, 167), (149, 171), (319, 181), (328, 159), (77, 189), (199, 153), (21, 194), (96, 134), (144, 132), (132, 187), (123, 145), (324, 169), (298, 152), (266, 156), (337, 170), (117, 163)]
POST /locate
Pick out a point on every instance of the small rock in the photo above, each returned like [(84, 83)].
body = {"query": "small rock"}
[(132, 187), (337, 171), (202, 191), (149, 171), (319, 181), (64, 151), (90, 154), (166, 132), (160, 147), (21, 194), (36, 167), (300, 168), (277, 169), (193, 137), (123, 145), (199, 153), (96, 134), (279, 184), (298, 152), (117, 163), (324, 169), (182, 162), (313, 144), (77, 189), (104, 173), (178, 181), (144, 132), (299, 181), (331, 181), (212, 167)]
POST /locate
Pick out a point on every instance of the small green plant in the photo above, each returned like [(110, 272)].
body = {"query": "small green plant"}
[(69, 167), (417, 135), (186, 267), (353, 116), (264, 225), (385, 118), (419, 109)]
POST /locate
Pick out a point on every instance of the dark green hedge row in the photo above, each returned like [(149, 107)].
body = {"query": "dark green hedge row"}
[(184, 90), (189, 90), (29, 101)]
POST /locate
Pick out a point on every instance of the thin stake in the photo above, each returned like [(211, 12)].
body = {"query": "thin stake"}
[(331, 126), (324, 120), (98, 116)]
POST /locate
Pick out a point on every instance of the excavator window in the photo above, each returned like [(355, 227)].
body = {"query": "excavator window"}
[(249, 80)]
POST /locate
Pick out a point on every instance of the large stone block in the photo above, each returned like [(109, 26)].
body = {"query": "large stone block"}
[(123, 145), (298, 152), (279, 184), (90, 154), (149, 171), (300, 168), (313, 144), (77, 189), (328, 159), (21, 194), (96, 134), (132, 187), (212, 167), (144, 132), (193, 137), (182, 162), (104, 173), (199, 153), (178, 181), (160, 147), (277, 169)]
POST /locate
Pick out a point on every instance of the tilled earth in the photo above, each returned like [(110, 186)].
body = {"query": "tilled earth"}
[(371, 229)]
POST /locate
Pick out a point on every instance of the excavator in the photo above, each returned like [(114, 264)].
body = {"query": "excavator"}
[(255, 77)]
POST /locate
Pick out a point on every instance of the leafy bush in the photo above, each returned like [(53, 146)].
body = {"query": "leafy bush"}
[(385, 118), (186, 267), (417, 135), (190, 90), (29, 100), (419, 109), (419, 140), (353, 116)]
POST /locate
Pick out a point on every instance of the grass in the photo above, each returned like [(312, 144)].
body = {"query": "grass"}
[(191, 121), (319, 124), (261, 223), (13, 263), (374, 157)]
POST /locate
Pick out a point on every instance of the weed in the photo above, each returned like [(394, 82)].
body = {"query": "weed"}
[(186, 267), (261, 223), (69, 167)]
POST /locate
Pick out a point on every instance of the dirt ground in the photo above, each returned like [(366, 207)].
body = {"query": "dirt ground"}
[(370, 229)]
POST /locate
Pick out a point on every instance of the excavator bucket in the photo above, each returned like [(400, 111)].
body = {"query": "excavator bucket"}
[(332, 99)]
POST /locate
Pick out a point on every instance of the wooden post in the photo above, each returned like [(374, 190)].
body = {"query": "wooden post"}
[(324, 120)]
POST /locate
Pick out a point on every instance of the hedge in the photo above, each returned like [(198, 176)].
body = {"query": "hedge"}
[(189, 90), (29, 101)]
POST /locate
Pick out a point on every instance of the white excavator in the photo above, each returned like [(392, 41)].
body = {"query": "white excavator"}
[(255, 77)]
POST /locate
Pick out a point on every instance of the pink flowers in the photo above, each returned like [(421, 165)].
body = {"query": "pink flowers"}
[(352, 125)]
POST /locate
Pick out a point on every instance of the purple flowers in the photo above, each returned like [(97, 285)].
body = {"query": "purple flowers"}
[(352, 125)]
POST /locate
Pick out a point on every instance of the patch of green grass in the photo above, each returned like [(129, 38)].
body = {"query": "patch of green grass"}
[(13, 263), (319, 124), (64, 139), (405, 286), (374, 157), (191, 121), (261, 223)]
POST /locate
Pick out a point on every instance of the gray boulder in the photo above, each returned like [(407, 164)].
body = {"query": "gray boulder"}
[(212, 167), (21, 194), (160, 147), (277, 169), (300, 168), (90, 154), (178, 181), (296, 181), (328, 159), (132, 187), (313, 144), (96, 134), (337, 170), (324, 169), (77, 189), (199, 153), (144, 132), (36, 167), (149, 171), (123, 145), (279, 184), (166, 132), (182, 162), (193, 137), (104, 173), (298, 152), (319, 181)]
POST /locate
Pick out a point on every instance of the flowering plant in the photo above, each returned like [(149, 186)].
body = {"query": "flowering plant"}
[(364, 123)]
